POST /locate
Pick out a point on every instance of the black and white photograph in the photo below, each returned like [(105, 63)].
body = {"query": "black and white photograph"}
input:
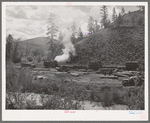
[(75, 57)]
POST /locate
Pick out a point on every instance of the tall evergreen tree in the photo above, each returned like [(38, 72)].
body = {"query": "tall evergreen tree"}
[(59, 45), (16, 55), (114, 16), (12, 49), (74, 28), (91, 25), (107, 23), (104, 15), (52, 30), (9, 47), (80, 34), (119, 20), (122, 11), (61, 36), (97, 27), (74, 31)]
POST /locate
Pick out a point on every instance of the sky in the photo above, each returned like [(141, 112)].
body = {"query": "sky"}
[(30, 21)]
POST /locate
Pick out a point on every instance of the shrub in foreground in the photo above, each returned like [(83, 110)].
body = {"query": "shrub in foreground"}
[(134, 98), (54, 102)]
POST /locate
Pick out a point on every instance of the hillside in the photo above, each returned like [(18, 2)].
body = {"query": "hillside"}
[(40, 40), (39, 44), (115, 45), (35, 43)]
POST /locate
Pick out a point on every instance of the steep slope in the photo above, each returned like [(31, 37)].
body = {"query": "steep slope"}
[(113, 46)]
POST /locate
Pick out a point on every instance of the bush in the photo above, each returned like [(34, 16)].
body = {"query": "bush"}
[(11, 77), (18, 79), (30, 59), (39, 58), (16, 59), (57, 103), (134, 98), (116, 97), (106, 99), (140, 21)]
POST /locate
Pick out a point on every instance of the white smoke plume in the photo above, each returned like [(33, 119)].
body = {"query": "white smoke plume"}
[(69, 48)]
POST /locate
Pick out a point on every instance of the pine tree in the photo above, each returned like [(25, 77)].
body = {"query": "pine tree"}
[(119, 20), (97, 27), (80, 34), (52, 30), (104, 15), (16, 57), (61, 36), (9, 47), (91, 25), (114, 16), (122, 11), (107, 23), (74, 28), (60, 45), (74, 31)]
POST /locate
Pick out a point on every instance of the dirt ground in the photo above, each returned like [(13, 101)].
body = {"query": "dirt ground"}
[(81, 77)]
